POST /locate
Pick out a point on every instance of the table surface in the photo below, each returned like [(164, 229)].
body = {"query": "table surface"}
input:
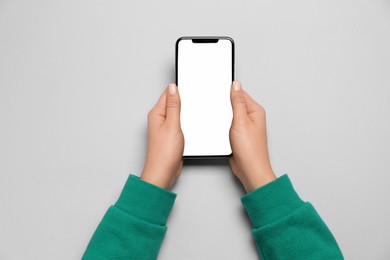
[(77, 79)]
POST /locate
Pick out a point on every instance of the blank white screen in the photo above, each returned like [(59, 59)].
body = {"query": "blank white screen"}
[(204, 79)]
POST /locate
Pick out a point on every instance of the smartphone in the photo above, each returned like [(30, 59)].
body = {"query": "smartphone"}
[(204, 74)]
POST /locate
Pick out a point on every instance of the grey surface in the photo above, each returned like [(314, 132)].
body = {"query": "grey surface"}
[(77, 79)]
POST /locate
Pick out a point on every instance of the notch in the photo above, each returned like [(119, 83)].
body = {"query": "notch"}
[(205, 40)]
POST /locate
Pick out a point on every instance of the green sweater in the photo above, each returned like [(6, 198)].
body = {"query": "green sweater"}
[(284, 226)]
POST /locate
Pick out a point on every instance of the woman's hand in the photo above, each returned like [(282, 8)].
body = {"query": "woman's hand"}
[(164, 158), (248, 139)]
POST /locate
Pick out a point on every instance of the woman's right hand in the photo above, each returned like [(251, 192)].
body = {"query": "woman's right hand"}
[(248, 140)]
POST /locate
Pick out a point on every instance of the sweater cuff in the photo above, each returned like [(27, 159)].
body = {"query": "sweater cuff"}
[(271, 202), (146, 201)]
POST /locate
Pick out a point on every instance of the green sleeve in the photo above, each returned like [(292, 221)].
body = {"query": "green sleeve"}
[(135, 226), (285, 227)]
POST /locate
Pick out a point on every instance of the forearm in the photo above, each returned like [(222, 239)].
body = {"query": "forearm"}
[(285, 227), (135, 226)]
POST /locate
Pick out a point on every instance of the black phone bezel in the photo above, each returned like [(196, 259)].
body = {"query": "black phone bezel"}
[(203, 39)]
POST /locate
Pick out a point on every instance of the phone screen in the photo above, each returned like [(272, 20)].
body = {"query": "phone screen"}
[(204, 71)]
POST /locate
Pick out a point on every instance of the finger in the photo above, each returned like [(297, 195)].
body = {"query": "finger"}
[(238, 101), (255, 110), (173, 105), (160, 107), (251, 104)]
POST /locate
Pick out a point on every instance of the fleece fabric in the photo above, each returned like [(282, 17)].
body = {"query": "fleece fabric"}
[(284, 226)]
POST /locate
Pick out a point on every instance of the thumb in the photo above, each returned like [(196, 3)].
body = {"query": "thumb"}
[(173, 105), (238, 101)]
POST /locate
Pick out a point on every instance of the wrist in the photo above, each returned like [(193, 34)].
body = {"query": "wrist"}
[(156, 179), (256, 179), (139, 198)]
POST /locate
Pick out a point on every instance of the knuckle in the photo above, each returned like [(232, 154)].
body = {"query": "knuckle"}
[(262, 110), (262, 114), (173, 129), (239, 99), (173, 102), (150, 114), (241, 122)]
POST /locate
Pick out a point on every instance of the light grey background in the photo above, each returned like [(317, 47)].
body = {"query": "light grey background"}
[(77, 79)]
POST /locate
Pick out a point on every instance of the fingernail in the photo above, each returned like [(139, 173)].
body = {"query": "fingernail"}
[(236, 86), (172, 89)]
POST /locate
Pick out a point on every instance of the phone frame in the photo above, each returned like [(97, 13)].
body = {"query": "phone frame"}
[(202, 39)]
